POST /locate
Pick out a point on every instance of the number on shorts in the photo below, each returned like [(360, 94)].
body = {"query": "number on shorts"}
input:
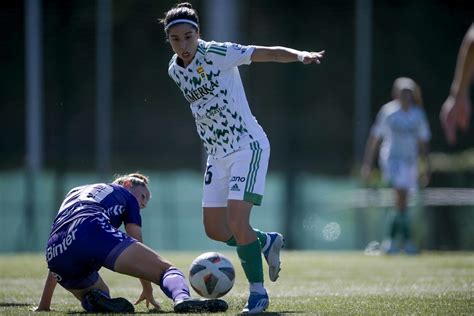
[(208, 177)]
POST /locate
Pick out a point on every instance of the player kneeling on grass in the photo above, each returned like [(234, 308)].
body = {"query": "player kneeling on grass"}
[(85, 237)]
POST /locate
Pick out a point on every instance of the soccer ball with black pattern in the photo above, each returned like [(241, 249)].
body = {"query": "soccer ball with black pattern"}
[(211, 275)]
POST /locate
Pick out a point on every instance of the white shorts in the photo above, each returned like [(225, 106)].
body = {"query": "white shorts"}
[(400, 174), (238, 176)]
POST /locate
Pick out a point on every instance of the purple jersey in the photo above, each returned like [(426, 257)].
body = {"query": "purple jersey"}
[(84, 236), (112, 200)]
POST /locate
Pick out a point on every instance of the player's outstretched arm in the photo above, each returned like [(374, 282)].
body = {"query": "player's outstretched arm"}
[(285, 55), (456, 110), (48, 290)]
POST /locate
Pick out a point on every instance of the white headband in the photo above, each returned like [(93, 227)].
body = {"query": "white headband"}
[(181, 21)]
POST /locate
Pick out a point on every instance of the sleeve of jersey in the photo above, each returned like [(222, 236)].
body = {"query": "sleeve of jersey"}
[(230, 54), (132, 215)]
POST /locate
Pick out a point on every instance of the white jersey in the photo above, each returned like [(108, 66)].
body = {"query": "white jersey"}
[(401, 131), (212, 86)]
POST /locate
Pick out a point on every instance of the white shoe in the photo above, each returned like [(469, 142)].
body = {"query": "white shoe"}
[(272, 254)]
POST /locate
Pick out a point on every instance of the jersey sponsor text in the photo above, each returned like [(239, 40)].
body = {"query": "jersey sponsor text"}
[(58, 249)]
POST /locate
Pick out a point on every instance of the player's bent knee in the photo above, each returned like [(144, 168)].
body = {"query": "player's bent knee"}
[(217, 233), (211, 233)]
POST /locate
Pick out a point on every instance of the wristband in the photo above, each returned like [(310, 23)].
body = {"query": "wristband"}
[(302, 55)]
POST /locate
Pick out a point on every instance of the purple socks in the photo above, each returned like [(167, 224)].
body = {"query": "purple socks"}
[(173, 284)]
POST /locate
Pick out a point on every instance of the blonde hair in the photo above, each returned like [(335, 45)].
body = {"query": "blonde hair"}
[(407, 83), (135, 178)]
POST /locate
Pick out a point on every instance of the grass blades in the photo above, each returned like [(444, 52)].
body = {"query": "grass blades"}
[(311, 282)]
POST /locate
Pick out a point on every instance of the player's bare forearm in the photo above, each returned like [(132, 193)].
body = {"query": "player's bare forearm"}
[(373, 144), (135, 231), (465, 65), (372, 147), (282, 54), (48, 290)]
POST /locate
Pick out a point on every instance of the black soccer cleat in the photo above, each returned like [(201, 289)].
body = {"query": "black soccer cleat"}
[(104, 304), (195, 305)]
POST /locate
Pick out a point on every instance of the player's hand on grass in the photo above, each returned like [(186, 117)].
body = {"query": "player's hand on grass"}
[(40, 309), (147, 296), (455, 113), (311, 57)]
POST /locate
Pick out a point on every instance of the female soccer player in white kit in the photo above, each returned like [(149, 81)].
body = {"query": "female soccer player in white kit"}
[(237, 147), (401, 131)]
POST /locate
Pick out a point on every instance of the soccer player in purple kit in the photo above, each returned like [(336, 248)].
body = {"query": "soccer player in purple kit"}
[(85, 237)]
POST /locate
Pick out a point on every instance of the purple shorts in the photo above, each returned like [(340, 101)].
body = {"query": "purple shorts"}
[(80, 248)]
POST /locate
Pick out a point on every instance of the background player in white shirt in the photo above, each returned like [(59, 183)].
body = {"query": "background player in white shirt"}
[(237, 147), (401, 131)]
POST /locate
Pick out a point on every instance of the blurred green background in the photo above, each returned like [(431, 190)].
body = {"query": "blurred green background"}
[(308, 112)]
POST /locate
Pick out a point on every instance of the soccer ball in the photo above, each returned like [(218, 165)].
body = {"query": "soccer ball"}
[(211, 275)]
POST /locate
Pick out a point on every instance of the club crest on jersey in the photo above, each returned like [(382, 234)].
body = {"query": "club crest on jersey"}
[(202, 73)]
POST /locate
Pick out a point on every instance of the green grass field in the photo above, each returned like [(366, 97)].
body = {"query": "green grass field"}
[(335, 283)]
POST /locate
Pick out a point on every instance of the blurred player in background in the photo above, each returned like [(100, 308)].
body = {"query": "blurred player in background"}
[(237, 147), (456, 110), (401, 132), (85, 237)]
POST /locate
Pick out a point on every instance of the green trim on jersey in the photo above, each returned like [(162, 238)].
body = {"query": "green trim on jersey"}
[(201, 50), (213, 48), (219, 50), (253, 198)]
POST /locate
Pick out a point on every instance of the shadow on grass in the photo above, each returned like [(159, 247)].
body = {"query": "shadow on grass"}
[(151, 311), (4, 304), (274, 313)]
